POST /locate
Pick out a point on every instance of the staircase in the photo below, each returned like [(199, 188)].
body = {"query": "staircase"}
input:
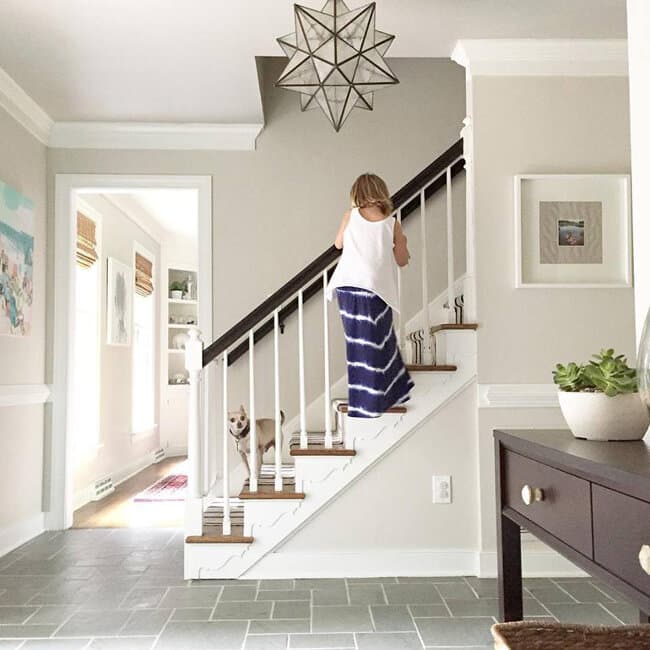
[(234, 536)]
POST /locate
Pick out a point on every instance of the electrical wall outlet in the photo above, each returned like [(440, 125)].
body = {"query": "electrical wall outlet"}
[(442, 489)]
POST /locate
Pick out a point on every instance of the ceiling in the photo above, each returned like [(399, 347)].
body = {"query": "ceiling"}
[(193, 61)]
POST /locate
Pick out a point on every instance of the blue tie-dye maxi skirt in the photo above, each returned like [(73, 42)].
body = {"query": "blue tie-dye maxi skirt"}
[(377, 377)]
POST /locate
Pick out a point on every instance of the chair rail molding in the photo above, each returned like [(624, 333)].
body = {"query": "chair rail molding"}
[(542, 57), (24, 394), (517, 396)]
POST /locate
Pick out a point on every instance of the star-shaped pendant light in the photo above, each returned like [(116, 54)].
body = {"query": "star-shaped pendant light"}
[(336, 59)]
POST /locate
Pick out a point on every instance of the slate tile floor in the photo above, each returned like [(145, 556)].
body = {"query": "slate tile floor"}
[(117, 589)]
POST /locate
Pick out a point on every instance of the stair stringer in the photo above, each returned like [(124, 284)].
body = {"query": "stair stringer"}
[(373, 439)]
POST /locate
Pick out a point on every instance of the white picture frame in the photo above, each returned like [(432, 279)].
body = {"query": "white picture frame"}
[(119, 303), (610, 194)]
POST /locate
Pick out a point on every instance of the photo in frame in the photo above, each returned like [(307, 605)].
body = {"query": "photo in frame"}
[(572, 231), (119, 298)]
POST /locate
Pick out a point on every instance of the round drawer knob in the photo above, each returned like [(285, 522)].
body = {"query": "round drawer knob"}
[(644, 558), (530, 495)]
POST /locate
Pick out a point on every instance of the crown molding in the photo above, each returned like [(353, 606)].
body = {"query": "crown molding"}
[(24, 109), (542, 57), (150, 135)]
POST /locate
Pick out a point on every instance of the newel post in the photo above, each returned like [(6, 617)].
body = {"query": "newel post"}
[(194, 365)]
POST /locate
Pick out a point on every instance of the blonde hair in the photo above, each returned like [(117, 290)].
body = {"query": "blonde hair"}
[(369, 190)]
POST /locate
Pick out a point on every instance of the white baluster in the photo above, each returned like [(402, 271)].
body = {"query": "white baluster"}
[(276, 379), (194, 365), (427, 356), (326, 355), (251, 414), (301, 373), (227, 530), (451, 276), (401, 321)]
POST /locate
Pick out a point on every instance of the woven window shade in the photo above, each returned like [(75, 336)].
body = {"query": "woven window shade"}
[(143, 275), (86, 241)]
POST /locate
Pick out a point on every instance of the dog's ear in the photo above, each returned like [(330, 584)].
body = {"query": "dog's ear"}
[(242, 410)]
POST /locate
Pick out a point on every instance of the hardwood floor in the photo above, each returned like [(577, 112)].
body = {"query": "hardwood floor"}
[(119, 511)]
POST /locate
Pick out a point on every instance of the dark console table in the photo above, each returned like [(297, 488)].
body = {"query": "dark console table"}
[(590, 501)]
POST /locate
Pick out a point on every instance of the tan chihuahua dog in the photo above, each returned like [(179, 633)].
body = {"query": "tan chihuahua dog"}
[(240, 428)]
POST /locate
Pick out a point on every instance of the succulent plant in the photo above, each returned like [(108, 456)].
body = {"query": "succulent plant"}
[(605, 373)]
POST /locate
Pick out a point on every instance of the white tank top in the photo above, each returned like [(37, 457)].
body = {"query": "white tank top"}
[(368, 261)]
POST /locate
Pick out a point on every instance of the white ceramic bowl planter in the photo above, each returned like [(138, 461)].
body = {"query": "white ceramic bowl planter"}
[(595, 416)]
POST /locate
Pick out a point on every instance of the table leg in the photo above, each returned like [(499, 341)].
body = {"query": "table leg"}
[(509, 559), (644, 617)]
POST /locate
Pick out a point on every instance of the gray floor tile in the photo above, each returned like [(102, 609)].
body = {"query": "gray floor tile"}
[(191, 597), (455, 631), (586, 613), (483, 586), (475, 607), (429, 579), (236, 592), (357, 581), (279, 626), (292, 609), (17, 597), (277, 584), (267, 642), (585, 592), (224, 582), (219, 635), (320, 583), (192, 614), (55, 644), (280, 594), (455, 591), (143, 598), (243, 610), (321, 641), (124, 643), (552, 594), (334, 596), (15, 615), (18, 631), (354, 618), (389, 641), (94, 623), (429, 611), (415, 593), (53, 615), (147, 622), (367, 594), (392, 618), (625, 612)]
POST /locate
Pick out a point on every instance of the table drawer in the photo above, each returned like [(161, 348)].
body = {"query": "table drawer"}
[(621, 528), (565, 508)]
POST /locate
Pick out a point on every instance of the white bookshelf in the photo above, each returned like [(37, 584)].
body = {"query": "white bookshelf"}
[(182, 313)]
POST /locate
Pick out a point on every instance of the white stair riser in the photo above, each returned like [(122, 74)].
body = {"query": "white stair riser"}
[(262, 513), (311, 470)]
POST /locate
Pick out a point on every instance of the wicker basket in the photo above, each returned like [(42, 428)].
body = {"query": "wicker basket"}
[(529, 635)]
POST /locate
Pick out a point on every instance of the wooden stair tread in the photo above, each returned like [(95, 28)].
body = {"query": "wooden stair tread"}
[(343, 408), (266, 490), (417, 367), (453, 326), (319, 449), (215, 537)]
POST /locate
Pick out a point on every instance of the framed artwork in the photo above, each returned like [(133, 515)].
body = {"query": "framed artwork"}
[(119, 299), (16, 262), (572, 231)]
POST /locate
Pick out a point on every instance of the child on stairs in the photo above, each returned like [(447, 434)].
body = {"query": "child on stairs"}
[(365, 281)]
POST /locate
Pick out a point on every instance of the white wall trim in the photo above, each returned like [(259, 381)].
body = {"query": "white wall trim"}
[(16, 534), (544, 57), (150, 135), (24, 109), (405, 562), (22, 394), (506, 396)]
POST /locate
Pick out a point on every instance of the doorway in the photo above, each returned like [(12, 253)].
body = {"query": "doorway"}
[(118, 415)]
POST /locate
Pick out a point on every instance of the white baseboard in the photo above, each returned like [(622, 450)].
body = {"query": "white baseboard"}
[(14, 535), (406, 562), (176, 450)]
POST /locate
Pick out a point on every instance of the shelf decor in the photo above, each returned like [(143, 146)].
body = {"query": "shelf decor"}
[(16, 262), (572, 231), (336, 59)]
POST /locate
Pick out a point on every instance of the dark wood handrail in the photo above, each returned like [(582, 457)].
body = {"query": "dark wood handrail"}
[(314, 270)]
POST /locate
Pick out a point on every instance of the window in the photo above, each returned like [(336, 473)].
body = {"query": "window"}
[(144, 358)]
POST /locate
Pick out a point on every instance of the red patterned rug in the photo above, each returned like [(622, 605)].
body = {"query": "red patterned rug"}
[(168, 488)]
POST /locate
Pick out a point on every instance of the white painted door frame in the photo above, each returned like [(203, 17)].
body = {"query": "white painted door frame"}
[(58, 467)]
